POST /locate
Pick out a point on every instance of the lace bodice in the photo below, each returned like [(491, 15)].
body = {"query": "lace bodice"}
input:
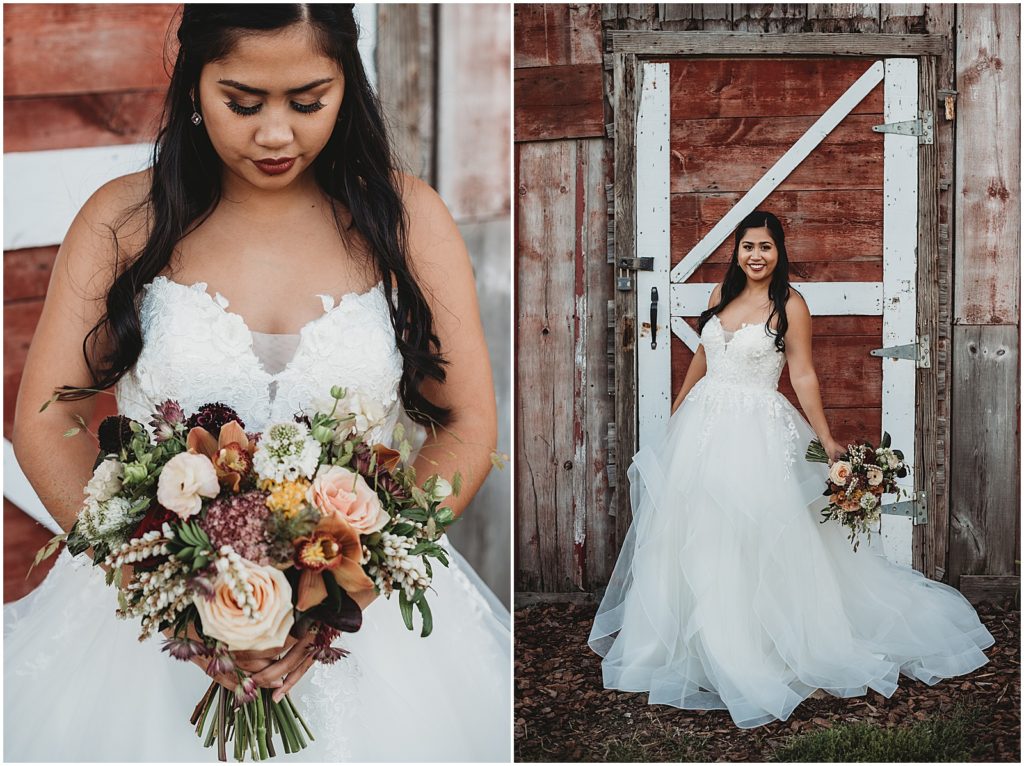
[(745, 357), (196, 351)]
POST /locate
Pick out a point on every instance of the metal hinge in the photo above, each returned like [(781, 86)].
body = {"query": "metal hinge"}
[(920, 352), (916, 508), (921, 128)]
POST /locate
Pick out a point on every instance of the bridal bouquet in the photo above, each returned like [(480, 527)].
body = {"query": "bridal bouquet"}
[(857, 481), (233, 540)]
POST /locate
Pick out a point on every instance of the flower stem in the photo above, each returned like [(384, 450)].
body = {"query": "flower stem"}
[(295, 712)]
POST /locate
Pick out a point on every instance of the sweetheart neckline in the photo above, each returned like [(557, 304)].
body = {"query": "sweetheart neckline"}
[(201, 288)]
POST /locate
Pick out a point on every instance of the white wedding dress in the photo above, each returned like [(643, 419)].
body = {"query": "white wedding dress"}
[(79, 686), (729, 594)]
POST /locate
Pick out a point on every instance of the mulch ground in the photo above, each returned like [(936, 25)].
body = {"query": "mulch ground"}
[(564, 714)]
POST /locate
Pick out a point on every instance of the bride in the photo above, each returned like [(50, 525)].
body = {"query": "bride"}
[(271, 252), (728, 592)]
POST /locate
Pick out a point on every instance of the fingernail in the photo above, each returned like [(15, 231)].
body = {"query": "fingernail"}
[(276, 696)]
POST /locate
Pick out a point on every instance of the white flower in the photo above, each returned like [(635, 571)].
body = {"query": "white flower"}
[(868, 501), (362, 411), (98, 520), (442, 489), (875, 476), (184, 481), (105, 481), (286, 452)]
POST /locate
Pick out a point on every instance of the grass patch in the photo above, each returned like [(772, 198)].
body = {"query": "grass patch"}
[(936, 740), (654, 741)]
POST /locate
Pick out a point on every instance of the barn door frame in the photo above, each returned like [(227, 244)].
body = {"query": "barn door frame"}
[(631, 308)]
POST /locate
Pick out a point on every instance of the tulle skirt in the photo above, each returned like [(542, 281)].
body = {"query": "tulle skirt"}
[(729, 594), (79, 686)]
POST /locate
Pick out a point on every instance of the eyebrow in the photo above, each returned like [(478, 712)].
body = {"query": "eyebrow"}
[(260, 92)]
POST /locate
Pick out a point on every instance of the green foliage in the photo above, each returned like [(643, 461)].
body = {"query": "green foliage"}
[(46, 551), (935, 740), (191, 545)]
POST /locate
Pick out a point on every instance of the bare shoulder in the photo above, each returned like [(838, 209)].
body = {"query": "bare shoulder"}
[(434, 238), (796, 306)]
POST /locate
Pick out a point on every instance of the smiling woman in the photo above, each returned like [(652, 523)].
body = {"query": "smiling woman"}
[(274, 191)]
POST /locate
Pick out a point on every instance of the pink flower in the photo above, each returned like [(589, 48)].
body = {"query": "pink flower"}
[(345, 495), (267, 627)]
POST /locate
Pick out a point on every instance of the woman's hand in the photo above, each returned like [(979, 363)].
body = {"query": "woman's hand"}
[(279, 669), (833, 449)]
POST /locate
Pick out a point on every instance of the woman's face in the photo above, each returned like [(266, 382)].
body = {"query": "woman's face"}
[(757, 255), (270, 106)]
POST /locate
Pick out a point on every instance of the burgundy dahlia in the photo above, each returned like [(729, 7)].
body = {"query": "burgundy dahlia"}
[(241, 522), (212, 417), (115, 433)]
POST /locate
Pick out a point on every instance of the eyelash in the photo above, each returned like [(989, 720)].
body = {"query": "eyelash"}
[(248, 111)]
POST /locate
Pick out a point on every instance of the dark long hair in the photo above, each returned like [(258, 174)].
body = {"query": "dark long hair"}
[(735, 280), (356, 167)]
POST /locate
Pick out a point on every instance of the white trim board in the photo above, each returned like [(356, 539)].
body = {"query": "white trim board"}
[(44, 190), (899, 268), (653, 213), (778, 172)]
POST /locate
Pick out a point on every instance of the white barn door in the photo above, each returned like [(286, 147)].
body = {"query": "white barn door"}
[(664, 297)]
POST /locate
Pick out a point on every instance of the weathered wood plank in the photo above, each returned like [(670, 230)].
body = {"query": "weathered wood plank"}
[(586, 44), (546, 258), (27, 272), (716, 16), (984, 490), (1001, 589), (95, 119), (987, 230), (627, 95), (37, 38), (540, 35), (594, 160), (756, 44), (931, 540), (830, 225), (760, 87), (473, 148), (559, 102), (843, 17), (903, 18), (406, 83), (731, 154), (768, 17)]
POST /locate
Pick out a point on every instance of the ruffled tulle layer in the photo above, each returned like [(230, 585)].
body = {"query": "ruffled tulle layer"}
[(729, 593), (79, 686)]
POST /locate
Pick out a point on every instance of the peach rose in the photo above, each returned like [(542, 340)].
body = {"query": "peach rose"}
[(344, 494), (266, 628), (184, 481), (840, 472)]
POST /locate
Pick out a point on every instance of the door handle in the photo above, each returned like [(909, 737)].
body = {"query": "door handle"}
[(654, 317)]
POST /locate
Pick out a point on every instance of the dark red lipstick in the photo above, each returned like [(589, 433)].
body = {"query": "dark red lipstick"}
[(275, 166)]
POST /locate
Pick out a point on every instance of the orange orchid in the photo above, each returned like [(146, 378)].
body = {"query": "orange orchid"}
[(387, 458), (334, 546), (231, 453)]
